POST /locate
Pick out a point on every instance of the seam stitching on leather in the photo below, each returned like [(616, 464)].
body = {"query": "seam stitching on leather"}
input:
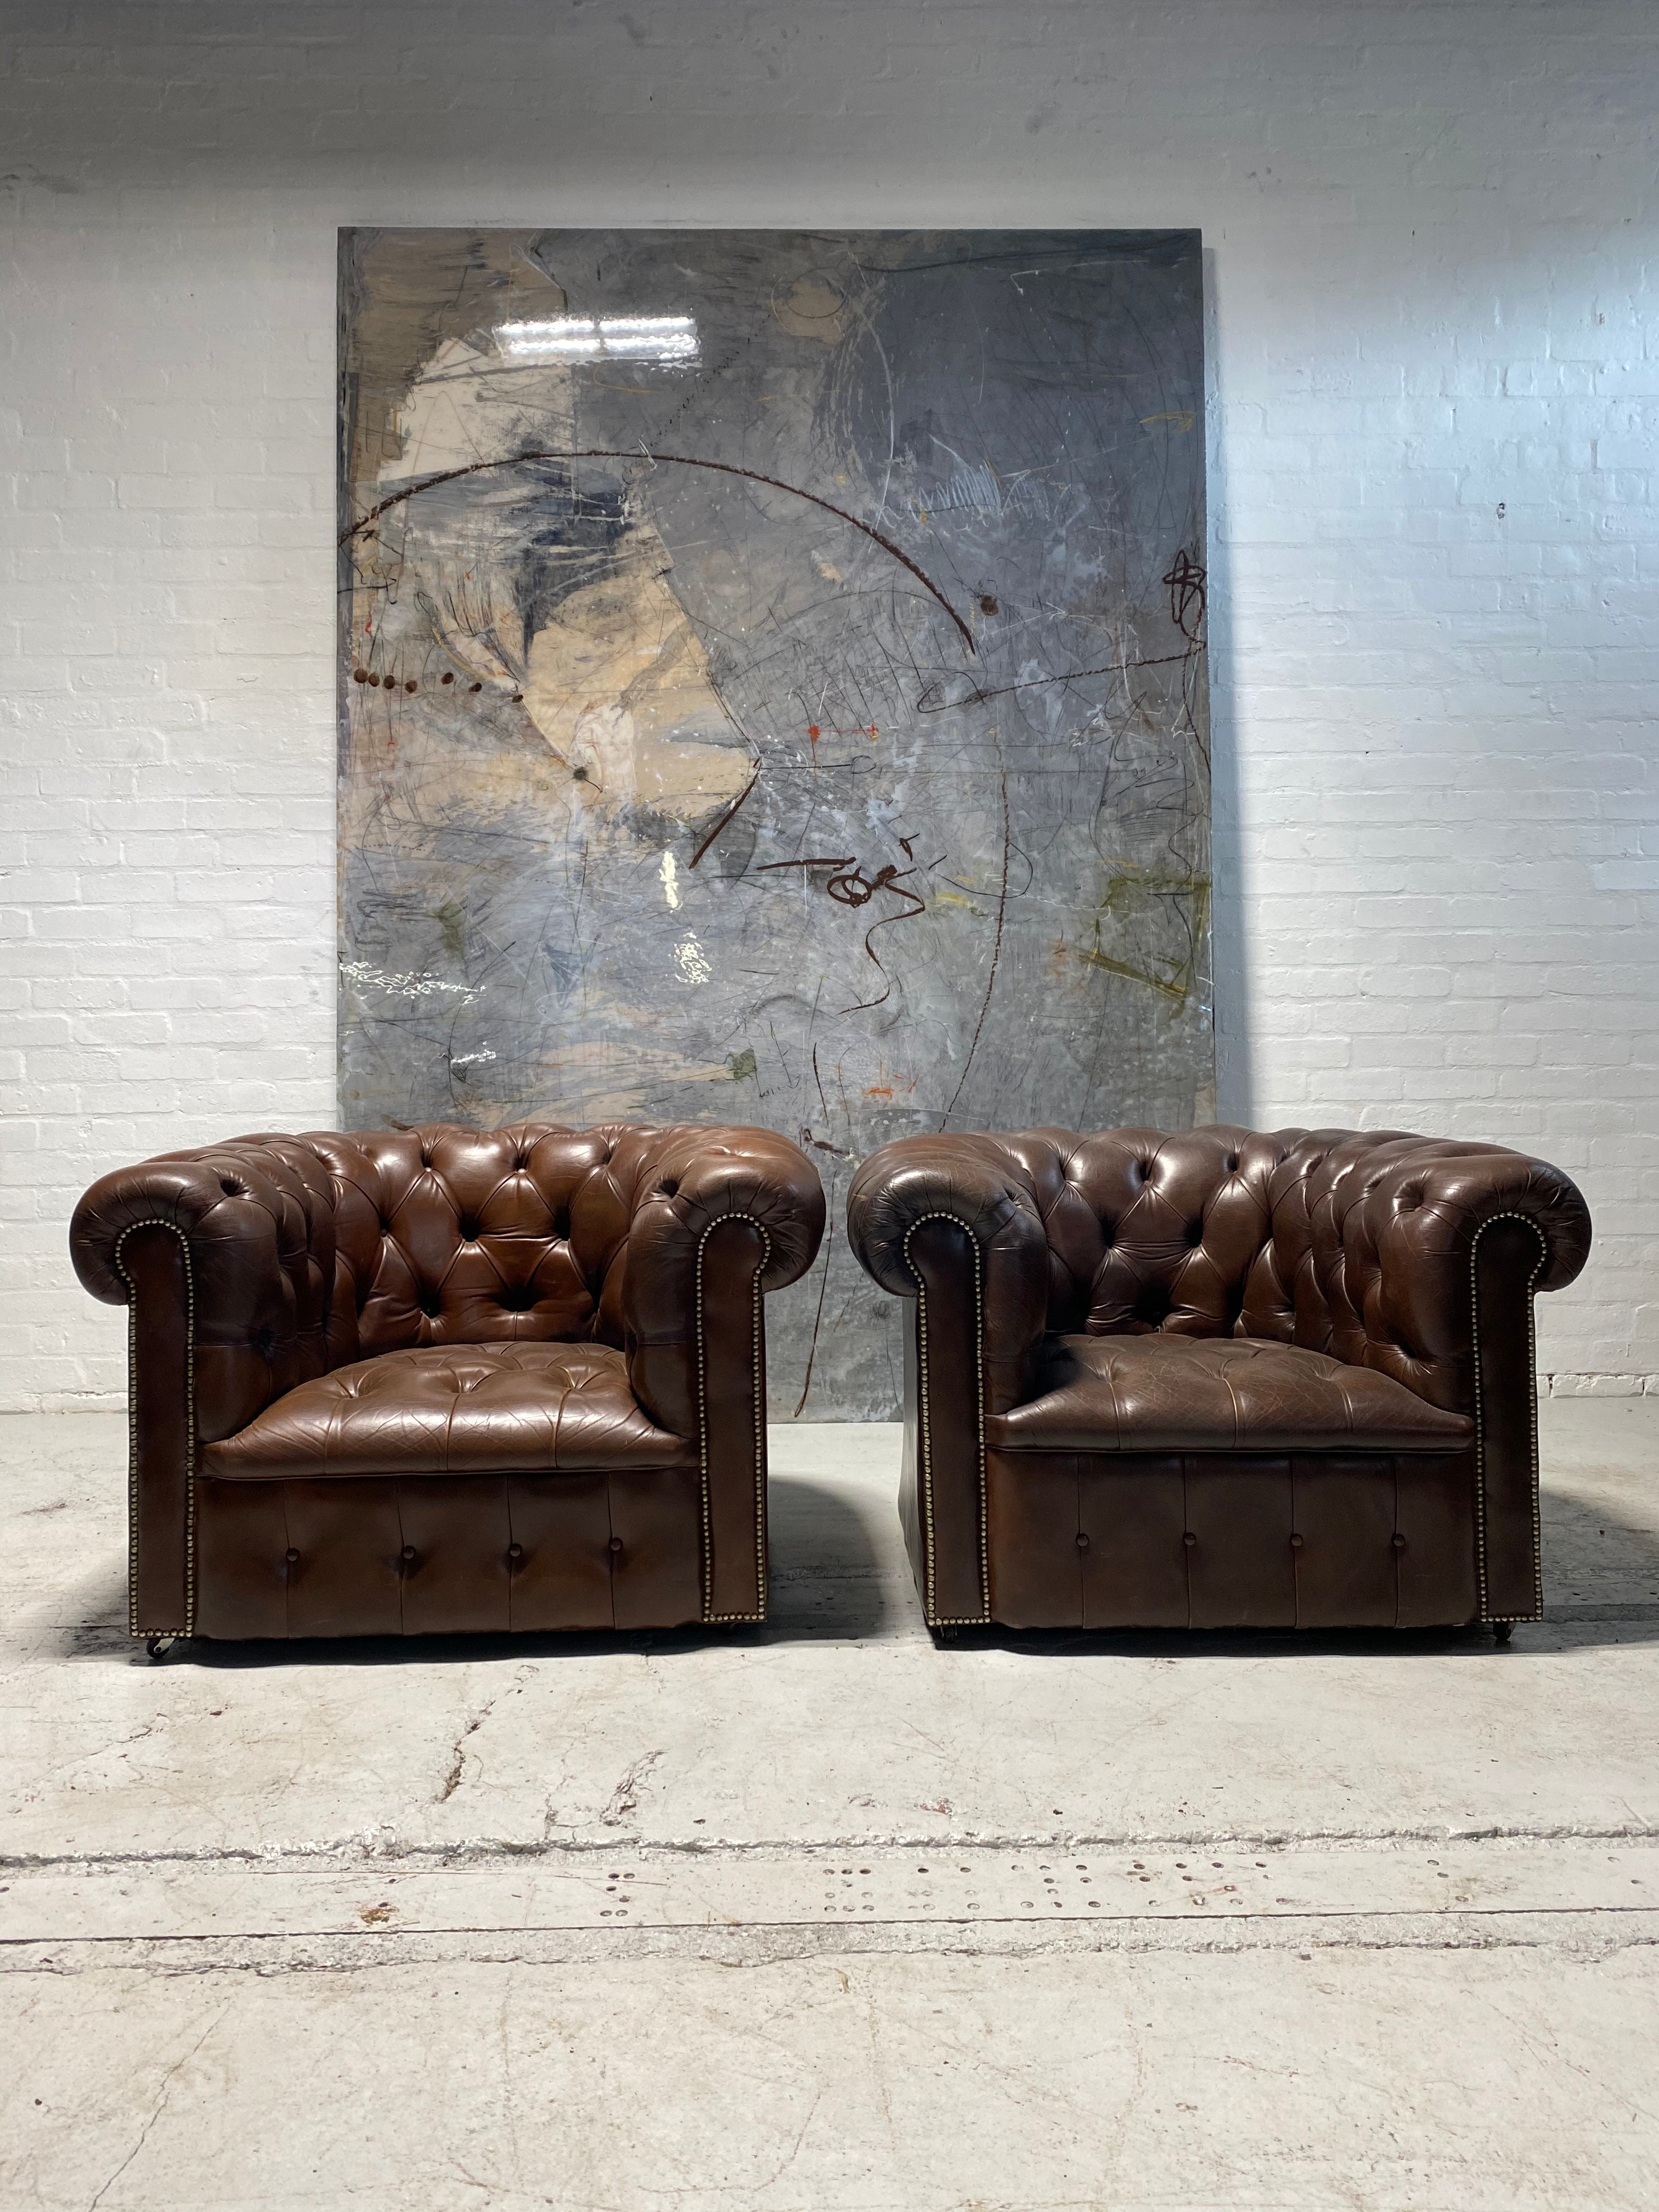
[(708, 1614), (189, 1628), (965, 1619), (1537, 1612)]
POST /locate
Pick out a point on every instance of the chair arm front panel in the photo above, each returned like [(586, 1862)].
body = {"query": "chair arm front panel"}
[(982, 1185), (721, 1216), (954, 1224)]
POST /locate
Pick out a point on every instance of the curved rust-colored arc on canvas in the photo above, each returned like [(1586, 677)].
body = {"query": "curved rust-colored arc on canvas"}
[(679, 460)]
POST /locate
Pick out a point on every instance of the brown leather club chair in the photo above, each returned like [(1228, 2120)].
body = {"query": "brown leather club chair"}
[(1219, 1380), (437, 1379)]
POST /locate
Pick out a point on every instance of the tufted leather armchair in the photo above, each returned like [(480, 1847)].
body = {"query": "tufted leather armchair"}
[(441, 1378), (1219, 1379)]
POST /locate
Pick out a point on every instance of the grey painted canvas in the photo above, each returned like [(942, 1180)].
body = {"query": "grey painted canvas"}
[(773, 690)]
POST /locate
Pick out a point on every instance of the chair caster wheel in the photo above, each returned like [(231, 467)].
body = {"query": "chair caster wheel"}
[(156, 1645), (943, 1635), (1502, 1631)]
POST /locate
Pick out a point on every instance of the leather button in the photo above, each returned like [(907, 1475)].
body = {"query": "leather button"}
[(1082, 1541), (408, 1551), (1398, 1541), (1189, 1540), (515, 1550), (292, 1556), (615, 1543), (1296, 1543)]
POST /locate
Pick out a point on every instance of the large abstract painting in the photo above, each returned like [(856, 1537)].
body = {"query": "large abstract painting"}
[(773, 690)]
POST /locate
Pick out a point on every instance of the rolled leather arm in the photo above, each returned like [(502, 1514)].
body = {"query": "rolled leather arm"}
[(252, 1220), (721, 1216), (978, 1185), (1414, 1234), (763, 1198), (710, 1206), (692, 1176), (1433, 1200)]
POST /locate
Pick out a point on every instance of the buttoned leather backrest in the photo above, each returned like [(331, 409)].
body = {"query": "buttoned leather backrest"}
[(1363, 1244), (1148, 1230), (302, 1253), (1372, 1246), (1221, 1231), (452, 1236)]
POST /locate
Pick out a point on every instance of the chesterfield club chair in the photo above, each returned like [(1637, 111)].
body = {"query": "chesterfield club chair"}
[(1219, 1380), (440, 1379)]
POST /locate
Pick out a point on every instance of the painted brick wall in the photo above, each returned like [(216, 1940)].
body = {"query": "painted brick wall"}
[(1434, 549)]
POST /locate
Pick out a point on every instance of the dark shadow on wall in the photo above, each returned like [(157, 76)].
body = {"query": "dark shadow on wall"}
[(1235, 1068)]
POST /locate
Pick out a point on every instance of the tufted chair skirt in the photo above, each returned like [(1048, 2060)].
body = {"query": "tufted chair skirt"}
[(427, 1554), (485, 1486)]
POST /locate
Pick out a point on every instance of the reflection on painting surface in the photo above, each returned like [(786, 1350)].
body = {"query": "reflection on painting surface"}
[(772, 690)]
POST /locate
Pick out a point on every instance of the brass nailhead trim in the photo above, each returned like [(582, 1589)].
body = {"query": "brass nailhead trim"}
[(960, 1620), (189, 1628), (1537, 1612), (760, 1432)]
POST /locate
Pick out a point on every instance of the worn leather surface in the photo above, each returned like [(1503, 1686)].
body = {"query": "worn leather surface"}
[(306, 1255), (462, 1409), (1406, 1262), (1163, 1393), (1133, 1539)]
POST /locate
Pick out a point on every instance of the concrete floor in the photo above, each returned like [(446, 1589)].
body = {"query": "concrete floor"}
[(821, 1917)]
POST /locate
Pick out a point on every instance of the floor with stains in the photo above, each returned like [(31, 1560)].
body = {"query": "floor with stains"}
[(821, 1916)]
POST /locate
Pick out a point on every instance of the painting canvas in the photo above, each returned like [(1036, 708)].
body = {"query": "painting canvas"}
[(773, 690)]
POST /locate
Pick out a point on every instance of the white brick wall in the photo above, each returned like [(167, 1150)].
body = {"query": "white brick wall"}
[(1434, 551)]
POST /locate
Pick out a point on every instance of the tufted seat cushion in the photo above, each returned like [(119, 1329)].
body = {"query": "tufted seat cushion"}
[(460, 1409), (1191, 1394)]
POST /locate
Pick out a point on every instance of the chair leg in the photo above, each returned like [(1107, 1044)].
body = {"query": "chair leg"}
[(1502, 1631)]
